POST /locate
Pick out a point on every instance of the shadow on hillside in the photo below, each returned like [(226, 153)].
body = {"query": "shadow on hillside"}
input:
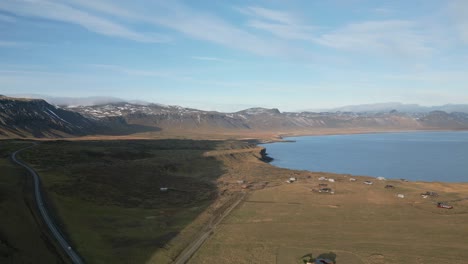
[(112, 190), (122, 129)]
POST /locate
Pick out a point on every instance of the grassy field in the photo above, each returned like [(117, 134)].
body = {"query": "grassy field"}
[(22, 237), (358, 224), (106, 194)]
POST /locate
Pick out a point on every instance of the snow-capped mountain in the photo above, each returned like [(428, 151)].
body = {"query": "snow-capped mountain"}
[(21, 117), (37, 118)]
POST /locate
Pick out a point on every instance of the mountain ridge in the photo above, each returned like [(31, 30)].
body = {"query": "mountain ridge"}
[(400, 107), (36, 118)]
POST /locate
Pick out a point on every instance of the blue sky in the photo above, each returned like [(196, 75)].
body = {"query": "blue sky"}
[(230, 55)]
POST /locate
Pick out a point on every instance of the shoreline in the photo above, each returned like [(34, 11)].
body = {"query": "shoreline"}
[(271, 159), (358, 132)]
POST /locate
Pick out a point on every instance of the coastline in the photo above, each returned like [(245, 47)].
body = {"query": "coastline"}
[(284, 139), (355, 132)]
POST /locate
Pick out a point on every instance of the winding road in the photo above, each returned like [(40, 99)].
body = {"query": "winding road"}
[(54, 229)]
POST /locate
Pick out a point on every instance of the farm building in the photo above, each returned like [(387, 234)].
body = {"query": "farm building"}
[(444, 205)]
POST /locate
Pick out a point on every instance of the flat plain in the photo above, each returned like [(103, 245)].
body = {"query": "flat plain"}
[(358, 224)]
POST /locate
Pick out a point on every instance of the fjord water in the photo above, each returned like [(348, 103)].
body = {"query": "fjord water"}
[(418, 156)]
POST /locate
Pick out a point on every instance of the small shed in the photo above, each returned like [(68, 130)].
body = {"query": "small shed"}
[(322, 179), (326, 190), (331, 180), (368, 182), (401, 195), (381, 178), (352, 179)]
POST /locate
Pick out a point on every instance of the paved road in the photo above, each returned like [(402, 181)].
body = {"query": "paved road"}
[(188, 252), (45, 215)]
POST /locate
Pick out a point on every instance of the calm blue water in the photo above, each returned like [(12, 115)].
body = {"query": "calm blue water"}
[(423, 156)]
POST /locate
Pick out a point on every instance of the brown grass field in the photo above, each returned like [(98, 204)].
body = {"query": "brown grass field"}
[(358, 224)]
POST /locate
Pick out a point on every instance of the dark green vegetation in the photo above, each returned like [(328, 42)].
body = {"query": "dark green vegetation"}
[(23, 239), (108, 194)]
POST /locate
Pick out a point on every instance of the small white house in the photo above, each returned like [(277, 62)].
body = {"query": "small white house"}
[(352, 179), (293, 179), (368, 182), (322, 178), (401, 195), (381, 178), (331, 180)]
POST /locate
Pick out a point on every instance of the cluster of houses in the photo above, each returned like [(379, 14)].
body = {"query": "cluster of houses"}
[(324, 188)]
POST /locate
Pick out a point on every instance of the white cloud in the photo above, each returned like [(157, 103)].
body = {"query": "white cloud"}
[(65, 13), (269, 14), (279, 23), (183, 19), (459, 10), (393, 37), (204, 58)]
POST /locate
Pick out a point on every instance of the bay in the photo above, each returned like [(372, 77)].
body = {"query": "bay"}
[(417, 156)]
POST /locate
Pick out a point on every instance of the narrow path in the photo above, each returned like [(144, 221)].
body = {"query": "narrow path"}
[(54, 229), (190, 250)]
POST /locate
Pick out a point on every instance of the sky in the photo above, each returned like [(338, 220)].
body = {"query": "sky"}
[(231, 55)]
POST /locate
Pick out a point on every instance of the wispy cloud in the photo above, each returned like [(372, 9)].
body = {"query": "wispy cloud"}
[(12, 44), (204, 58), (131, 71), (184, 19), (66, 13), (459, 10), (384, 11), (279, 23), (270, 14), (9, 19), (394, 37)]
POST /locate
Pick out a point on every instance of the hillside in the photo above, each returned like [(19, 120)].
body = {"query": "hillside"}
[(20, 117), (175, 118)]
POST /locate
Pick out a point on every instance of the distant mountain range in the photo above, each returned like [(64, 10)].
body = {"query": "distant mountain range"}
[(405, 108), (21, 117)]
